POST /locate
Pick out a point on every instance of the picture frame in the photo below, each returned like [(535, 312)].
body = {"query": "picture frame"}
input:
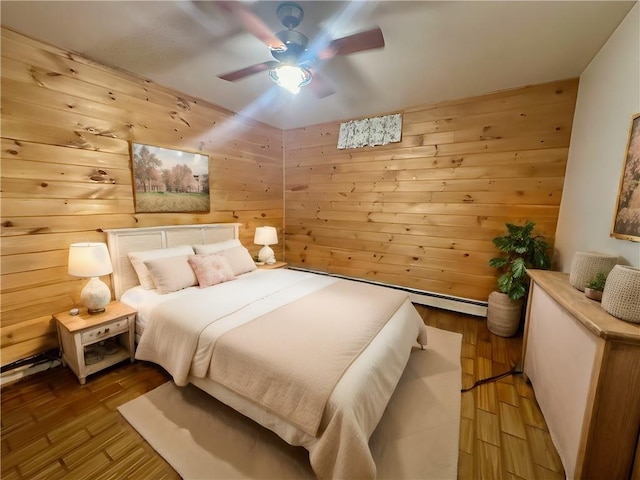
[(626, 221), (169, 181)]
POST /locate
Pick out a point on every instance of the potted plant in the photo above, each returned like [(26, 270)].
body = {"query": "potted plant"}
[(594, 287), (519, 249)]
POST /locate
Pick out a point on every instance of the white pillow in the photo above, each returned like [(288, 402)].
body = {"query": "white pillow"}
[(171, 274), (239, 259), (216, 247), (138, 259)]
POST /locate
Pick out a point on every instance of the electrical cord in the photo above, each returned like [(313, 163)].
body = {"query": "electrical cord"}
[(491, 379)]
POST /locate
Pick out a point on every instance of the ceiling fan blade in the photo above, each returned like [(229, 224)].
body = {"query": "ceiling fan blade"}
[(358, 42), (253, 24), (245, 72), (319, 85)]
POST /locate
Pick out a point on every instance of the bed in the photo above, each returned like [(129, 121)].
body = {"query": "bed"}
[(313, 358)]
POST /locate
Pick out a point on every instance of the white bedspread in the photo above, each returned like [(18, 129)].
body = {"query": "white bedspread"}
[(186, 345), (358, 401)]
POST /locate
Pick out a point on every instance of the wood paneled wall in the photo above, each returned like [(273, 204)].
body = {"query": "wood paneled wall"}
[(422, 213), (63, 117)]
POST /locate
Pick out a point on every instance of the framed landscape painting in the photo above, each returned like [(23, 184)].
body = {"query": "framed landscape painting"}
[(169, 180), (626, 222)]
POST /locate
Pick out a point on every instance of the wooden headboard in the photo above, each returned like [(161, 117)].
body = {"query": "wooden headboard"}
[(121, 241)]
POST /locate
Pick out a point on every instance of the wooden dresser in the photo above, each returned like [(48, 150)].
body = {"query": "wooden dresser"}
[(584, 365)]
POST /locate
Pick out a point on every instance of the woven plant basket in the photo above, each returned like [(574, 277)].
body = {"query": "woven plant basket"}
[(587, 265), (503, 314), (621, 294)]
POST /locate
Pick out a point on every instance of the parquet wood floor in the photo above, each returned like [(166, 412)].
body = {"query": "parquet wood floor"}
[(503, 434), (54, 428)]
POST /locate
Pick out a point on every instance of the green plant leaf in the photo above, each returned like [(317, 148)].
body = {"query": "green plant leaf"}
[(503, 243), (498, 262), (527, 229), (517, 292), (518, 268), (504, 283), (598, 282), (540, 257), (514, 230)]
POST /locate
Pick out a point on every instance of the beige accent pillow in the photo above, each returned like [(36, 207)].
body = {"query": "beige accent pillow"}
[(211, 269), (138, 258), (171, 274), (216, 247), (239, 259)]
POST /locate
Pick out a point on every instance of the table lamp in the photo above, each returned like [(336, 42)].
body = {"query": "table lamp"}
[(91, 260), (266, 236)]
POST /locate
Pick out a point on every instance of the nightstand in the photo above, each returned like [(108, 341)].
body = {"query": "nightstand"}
[(273, 265), (102, 339)]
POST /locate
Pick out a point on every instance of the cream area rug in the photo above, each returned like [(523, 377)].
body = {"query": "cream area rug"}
[(417, 437)]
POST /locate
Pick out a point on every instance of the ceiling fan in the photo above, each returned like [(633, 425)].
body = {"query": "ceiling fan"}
[(292, 64)]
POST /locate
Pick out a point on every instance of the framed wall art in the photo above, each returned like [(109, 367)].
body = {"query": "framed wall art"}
[(168, 180), (626, 221)]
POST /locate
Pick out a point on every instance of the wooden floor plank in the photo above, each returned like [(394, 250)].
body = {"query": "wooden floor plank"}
[(11, 474), (486, 397), (53, 471), (121, 469), (105, 421), (531, 413), (516, 457), (468, 405), (488, 427), (53, 427), (467, 435), (507, 393), (465, 466), (511, 421), (544, 453), (543, 473), (92, 465), (22, 454), (487, 463), (64, 428), (93, 446), (54, 452)]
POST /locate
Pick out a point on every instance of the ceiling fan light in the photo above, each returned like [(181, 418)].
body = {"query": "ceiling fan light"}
[(290, 77)]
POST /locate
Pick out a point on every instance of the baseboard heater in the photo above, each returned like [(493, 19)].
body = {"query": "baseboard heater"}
[(19, 369), (422, 297)]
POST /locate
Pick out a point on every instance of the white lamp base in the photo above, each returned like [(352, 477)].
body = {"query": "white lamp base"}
[(95, 295), (267, 255)]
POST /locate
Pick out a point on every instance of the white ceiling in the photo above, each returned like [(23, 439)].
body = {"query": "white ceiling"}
[(434, 51)]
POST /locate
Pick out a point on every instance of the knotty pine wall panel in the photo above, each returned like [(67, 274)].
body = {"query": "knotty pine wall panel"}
[(63, 117), (422, 213)]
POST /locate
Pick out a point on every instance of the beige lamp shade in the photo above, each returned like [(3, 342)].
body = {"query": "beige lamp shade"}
[(91, 260), (266, 236)]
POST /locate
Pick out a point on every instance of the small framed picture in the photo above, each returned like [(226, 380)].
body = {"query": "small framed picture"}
[(626, 220)]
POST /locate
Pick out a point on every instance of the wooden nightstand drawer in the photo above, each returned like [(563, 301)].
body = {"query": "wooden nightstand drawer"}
[(105, 331)]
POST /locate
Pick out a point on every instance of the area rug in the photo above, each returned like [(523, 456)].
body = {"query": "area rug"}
[(417, 437)]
